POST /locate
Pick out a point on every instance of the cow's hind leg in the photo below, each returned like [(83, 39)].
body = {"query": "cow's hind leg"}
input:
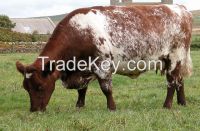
[(106, 87), (180, 93), (175, 82), (170, 92), (81, 97)]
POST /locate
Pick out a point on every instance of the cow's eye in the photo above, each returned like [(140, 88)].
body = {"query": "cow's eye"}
[(40, 88)]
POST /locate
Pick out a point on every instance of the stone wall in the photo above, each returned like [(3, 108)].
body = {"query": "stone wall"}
[(21, 47)]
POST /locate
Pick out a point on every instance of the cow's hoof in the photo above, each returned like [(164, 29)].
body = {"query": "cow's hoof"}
[(112, 109), (182, 103), (80, 104), (167, 105)]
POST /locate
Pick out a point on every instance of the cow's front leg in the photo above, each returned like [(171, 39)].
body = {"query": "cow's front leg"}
[(106, 87), (81, 97)]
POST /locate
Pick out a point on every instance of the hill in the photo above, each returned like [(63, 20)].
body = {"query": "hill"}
[(196, 18), (57, 18)]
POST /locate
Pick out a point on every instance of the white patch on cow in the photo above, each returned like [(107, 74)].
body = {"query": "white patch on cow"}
[(176, 56), (187, 65), (28, 75), (118, 11), (101, 73), (175, 8), (158, 12), (65, 84), (81, 78), (97, 22), (90, 20)]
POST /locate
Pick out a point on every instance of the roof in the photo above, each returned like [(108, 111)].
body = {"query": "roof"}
[(29, 25)]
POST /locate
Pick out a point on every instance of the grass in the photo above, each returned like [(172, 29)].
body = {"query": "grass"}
[(195, 42), (139, 103)]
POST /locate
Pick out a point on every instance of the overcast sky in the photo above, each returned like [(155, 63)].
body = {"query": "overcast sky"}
[(34, 8)]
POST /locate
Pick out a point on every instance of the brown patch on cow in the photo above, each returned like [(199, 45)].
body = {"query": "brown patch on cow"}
[(124, 57), (167, 64), (107, 55), (111, 56), (101, 41), (94, 11), (111, 34)]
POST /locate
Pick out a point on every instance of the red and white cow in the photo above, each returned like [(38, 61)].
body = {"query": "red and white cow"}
[(112, 33)]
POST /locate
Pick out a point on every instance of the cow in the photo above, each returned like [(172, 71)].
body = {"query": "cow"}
[(113, 33)]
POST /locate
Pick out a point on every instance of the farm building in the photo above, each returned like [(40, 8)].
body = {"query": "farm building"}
[(128, 2), (29, 25)]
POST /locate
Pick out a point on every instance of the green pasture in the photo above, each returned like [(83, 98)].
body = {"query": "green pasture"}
[(139, 103)]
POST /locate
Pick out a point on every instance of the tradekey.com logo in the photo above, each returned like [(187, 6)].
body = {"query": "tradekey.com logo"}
[(103, 65)]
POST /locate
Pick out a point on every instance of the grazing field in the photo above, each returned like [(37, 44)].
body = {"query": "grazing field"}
[(195, 42), (139, 103)]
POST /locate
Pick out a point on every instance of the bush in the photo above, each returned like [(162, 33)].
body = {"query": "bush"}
[(6, 35)]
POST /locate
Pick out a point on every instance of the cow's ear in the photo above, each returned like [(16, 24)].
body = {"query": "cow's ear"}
[(49, 68), (20, 67)]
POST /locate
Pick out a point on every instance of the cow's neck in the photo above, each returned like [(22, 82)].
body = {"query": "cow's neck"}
[(54, 50)]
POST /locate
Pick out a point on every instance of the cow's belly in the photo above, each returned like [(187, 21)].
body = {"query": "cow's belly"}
[(134, 67)]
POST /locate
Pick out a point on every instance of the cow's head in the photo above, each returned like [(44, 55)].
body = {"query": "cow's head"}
[(39, 85)]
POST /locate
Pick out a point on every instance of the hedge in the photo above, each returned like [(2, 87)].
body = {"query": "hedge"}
[(6, 35)]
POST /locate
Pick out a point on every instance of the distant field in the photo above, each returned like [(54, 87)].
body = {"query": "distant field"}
[(139, 103)]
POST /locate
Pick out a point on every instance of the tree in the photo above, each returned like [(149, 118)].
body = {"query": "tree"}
[(34, 36), (6, 23)]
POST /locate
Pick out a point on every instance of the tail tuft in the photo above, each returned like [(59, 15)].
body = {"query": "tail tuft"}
[(186, 66)]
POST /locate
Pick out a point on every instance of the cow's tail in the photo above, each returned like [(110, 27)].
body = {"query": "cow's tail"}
[(186, 68), (180, 56), (186, 65)]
